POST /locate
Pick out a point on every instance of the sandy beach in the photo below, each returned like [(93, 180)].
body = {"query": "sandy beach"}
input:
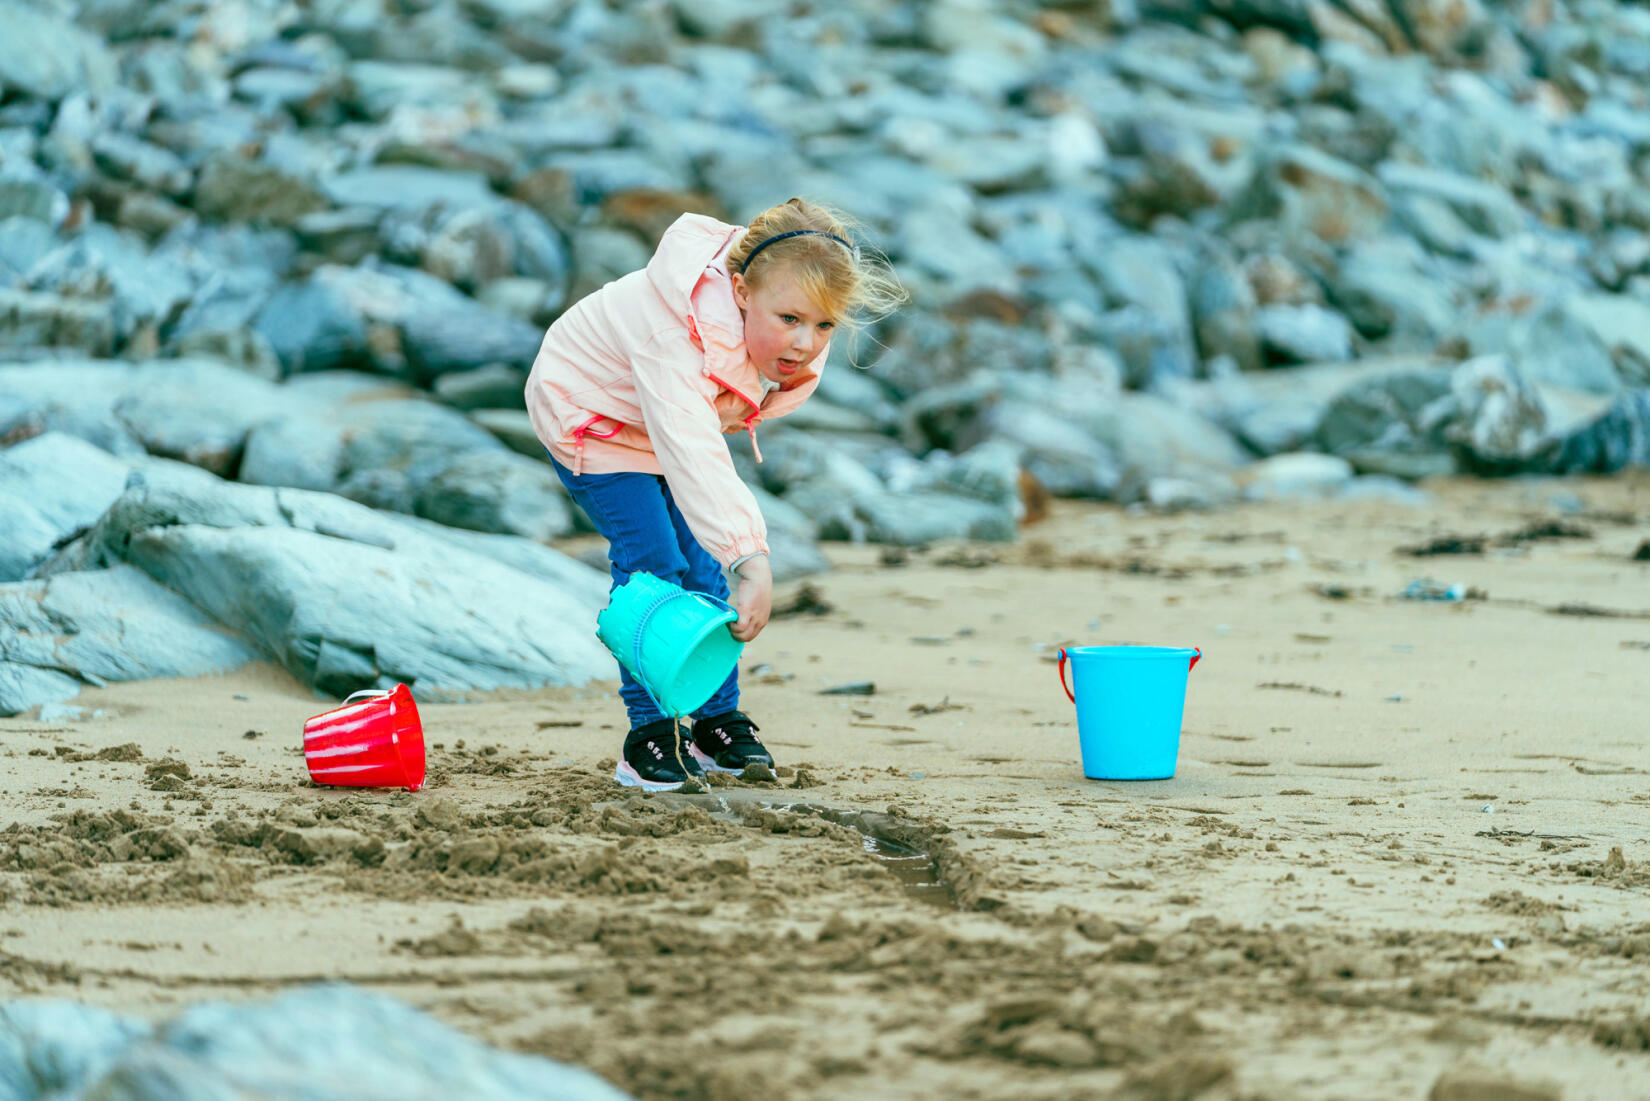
[(1406, 839)]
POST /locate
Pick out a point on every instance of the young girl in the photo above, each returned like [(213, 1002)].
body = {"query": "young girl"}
[(631, 392)]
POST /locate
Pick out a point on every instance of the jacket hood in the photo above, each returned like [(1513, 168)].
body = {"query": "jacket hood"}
[(689, 269)]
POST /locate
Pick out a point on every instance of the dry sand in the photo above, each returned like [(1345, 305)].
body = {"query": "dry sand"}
[(1405, 838)]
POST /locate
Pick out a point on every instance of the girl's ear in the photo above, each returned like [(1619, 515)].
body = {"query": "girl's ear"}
[(741, 290)]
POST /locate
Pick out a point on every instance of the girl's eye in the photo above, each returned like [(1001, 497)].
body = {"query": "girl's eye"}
[(827, 324), (788, 318)]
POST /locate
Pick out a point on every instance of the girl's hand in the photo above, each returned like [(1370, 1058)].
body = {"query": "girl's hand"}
[(755, 601)]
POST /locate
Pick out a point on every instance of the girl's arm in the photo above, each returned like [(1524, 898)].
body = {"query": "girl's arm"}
[(686, 433)]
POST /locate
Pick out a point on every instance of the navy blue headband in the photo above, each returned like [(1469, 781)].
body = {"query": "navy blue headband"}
[(797, 233)]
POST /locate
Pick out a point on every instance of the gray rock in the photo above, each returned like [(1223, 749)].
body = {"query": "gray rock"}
[(197, 411), (103, 625), (408, 440), (396, 186), (1392, 423), (1307, 333), (127, 158), (511, 427), (52, 487), (567, 575), (1183, 494), (793, 557), (497, 491), (1483, 207), (442, 330), (989, 473), (1310, 193), (494, 386), (1154, 437), (304, 452), (1434, 223), (530, 300), (134, 286), (596, 174), (234, 188), (1293, 476), (912, 519), (37, 321), (33, 197), (1388, 294), (344, 597), (1063, 456), (944, 256), (23, 241), (275, 1049), (471, 246), (48, 57), (1499, 417), (1222, 306), (1276, 411), (1379, 487), (1139, 276), (49, 1045), (1618, 438), (1622, 325), (1548, 343), (323, 322)]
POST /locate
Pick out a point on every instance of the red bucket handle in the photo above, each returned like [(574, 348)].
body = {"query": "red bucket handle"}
[(1063, 683), (1196, 657)]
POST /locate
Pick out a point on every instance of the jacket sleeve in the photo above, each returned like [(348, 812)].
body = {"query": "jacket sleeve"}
[(686, 433)]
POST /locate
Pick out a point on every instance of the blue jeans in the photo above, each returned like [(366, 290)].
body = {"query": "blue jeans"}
[(646, 532)]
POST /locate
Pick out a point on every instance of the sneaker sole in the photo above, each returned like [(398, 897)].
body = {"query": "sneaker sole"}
[(707, 763), (630, 778)]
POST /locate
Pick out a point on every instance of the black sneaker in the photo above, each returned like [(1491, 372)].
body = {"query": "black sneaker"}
[(650, 758), (728, 743)]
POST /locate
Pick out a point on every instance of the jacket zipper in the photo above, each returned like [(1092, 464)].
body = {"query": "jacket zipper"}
[(756, 411)]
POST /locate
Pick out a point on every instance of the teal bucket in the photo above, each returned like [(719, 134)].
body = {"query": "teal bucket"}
[(1129, 705), (674, 642)]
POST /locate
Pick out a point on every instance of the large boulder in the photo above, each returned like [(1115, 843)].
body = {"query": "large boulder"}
[(280, 1048), (98, 626), (1392, 423), (343, 596), (52, 487), (46, 56)]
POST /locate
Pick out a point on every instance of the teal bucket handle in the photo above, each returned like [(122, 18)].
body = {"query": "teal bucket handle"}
[(641, 632)]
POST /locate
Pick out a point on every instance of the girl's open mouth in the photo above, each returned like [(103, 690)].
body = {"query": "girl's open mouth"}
[(788, 366)]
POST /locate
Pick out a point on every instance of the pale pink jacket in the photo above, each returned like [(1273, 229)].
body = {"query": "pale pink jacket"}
[(646, 375)]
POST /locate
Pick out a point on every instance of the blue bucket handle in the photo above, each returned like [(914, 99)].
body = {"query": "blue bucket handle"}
[(1197, 655), (641, 630)]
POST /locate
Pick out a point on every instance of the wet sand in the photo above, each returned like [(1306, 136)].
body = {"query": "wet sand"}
[(1406, 837)]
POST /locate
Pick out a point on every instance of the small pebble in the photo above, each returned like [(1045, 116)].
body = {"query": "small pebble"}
[(1500, 945), (1487, 809), (852, 688), (919, 776)]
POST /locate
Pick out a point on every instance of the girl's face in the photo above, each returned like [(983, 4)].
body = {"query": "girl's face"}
[(784, 329)]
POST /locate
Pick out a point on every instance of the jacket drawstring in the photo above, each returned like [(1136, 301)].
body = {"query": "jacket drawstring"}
[(578, 440), (757, 451)]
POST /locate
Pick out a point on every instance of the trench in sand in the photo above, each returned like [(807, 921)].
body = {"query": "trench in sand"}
[(901, 847)]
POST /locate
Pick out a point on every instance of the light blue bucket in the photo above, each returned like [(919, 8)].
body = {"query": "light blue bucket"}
[(1130, 700), (674, 642)]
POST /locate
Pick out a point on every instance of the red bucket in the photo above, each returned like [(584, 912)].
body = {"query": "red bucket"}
[(377, 742)]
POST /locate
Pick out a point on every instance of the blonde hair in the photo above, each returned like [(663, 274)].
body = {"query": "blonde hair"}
[(851, 283)]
